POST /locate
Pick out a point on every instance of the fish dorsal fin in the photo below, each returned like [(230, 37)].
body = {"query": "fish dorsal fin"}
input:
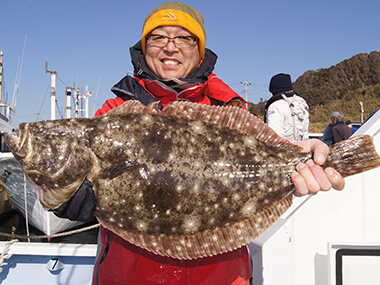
[(134, 107), (231, 117)]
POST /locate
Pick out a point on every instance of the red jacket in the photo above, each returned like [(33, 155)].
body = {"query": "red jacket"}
[(213, 92), (120, 262)]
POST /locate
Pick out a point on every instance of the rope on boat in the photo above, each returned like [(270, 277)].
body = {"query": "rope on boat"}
[(50, 236), (26, 208), (5, 254)]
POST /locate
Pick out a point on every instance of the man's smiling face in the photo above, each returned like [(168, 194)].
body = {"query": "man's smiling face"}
[(172, 62)]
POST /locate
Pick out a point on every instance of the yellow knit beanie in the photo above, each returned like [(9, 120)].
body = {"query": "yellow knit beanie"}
[(176, 14)]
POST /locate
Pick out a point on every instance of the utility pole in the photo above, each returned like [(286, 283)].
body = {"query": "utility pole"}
[(246, 84), (361, 110), (52, 91)]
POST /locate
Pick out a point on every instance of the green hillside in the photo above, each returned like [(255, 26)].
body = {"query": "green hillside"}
[(338, 88)]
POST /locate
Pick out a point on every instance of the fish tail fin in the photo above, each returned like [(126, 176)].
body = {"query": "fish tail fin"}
[(353, 156)]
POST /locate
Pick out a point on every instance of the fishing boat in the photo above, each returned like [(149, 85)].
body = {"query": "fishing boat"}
[(68, 258), (15, 188), (5, 127), (328, 238)]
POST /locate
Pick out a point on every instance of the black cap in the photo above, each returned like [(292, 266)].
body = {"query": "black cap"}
[(280, 83)]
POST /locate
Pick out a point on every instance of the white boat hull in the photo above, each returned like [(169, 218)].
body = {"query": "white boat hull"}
[(47, 263), (16, 186)]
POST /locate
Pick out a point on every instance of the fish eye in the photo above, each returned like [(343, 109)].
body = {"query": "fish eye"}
[(37, 138)]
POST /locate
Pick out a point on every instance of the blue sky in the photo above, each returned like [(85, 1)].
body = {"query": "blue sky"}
[(87, 43)]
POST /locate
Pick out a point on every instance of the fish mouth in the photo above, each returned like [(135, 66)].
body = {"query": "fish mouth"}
[(16, 143), (13, 142)]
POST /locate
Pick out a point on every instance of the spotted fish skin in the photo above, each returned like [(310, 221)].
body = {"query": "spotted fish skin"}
[(190, 177), (188, 182)]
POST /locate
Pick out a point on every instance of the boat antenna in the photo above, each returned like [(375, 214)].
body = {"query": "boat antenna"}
[(96, 97), (1, 75), (18, 78)]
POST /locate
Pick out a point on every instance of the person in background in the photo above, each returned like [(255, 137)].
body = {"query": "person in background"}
[(351, 125), (327, 135), (340, 131), (286, 112), (171, 63)]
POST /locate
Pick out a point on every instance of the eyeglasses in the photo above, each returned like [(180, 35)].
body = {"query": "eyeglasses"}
[(162, 41)]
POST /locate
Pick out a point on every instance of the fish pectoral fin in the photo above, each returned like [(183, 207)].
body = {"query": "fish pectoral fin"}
[(95, 168), (116, 169)]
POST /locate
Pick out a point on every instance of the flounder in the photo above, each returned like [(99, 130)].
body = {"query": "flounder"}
[(186, 182)]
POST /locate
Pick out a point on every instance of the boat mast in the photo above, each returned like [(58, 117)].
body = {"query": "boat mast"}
[(52, 90), (86, 102), (3, 104), (79, 99), (1, 75), (69, 92), (68, 102)]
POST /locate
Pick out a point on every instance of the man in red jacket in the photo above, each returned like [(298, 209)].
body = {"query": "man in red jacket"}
[(171, 63)]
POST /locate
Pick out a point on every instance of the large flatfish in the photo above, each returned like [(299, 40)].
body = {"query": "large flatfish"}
[(188, 181)]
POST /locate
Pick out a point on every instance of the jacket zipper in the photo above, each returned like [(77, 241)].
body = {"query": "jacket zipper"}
[(104, 255)]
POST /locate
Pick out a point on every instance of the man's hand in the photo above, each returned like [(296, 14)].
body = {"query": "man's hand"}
[(310, 178)]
